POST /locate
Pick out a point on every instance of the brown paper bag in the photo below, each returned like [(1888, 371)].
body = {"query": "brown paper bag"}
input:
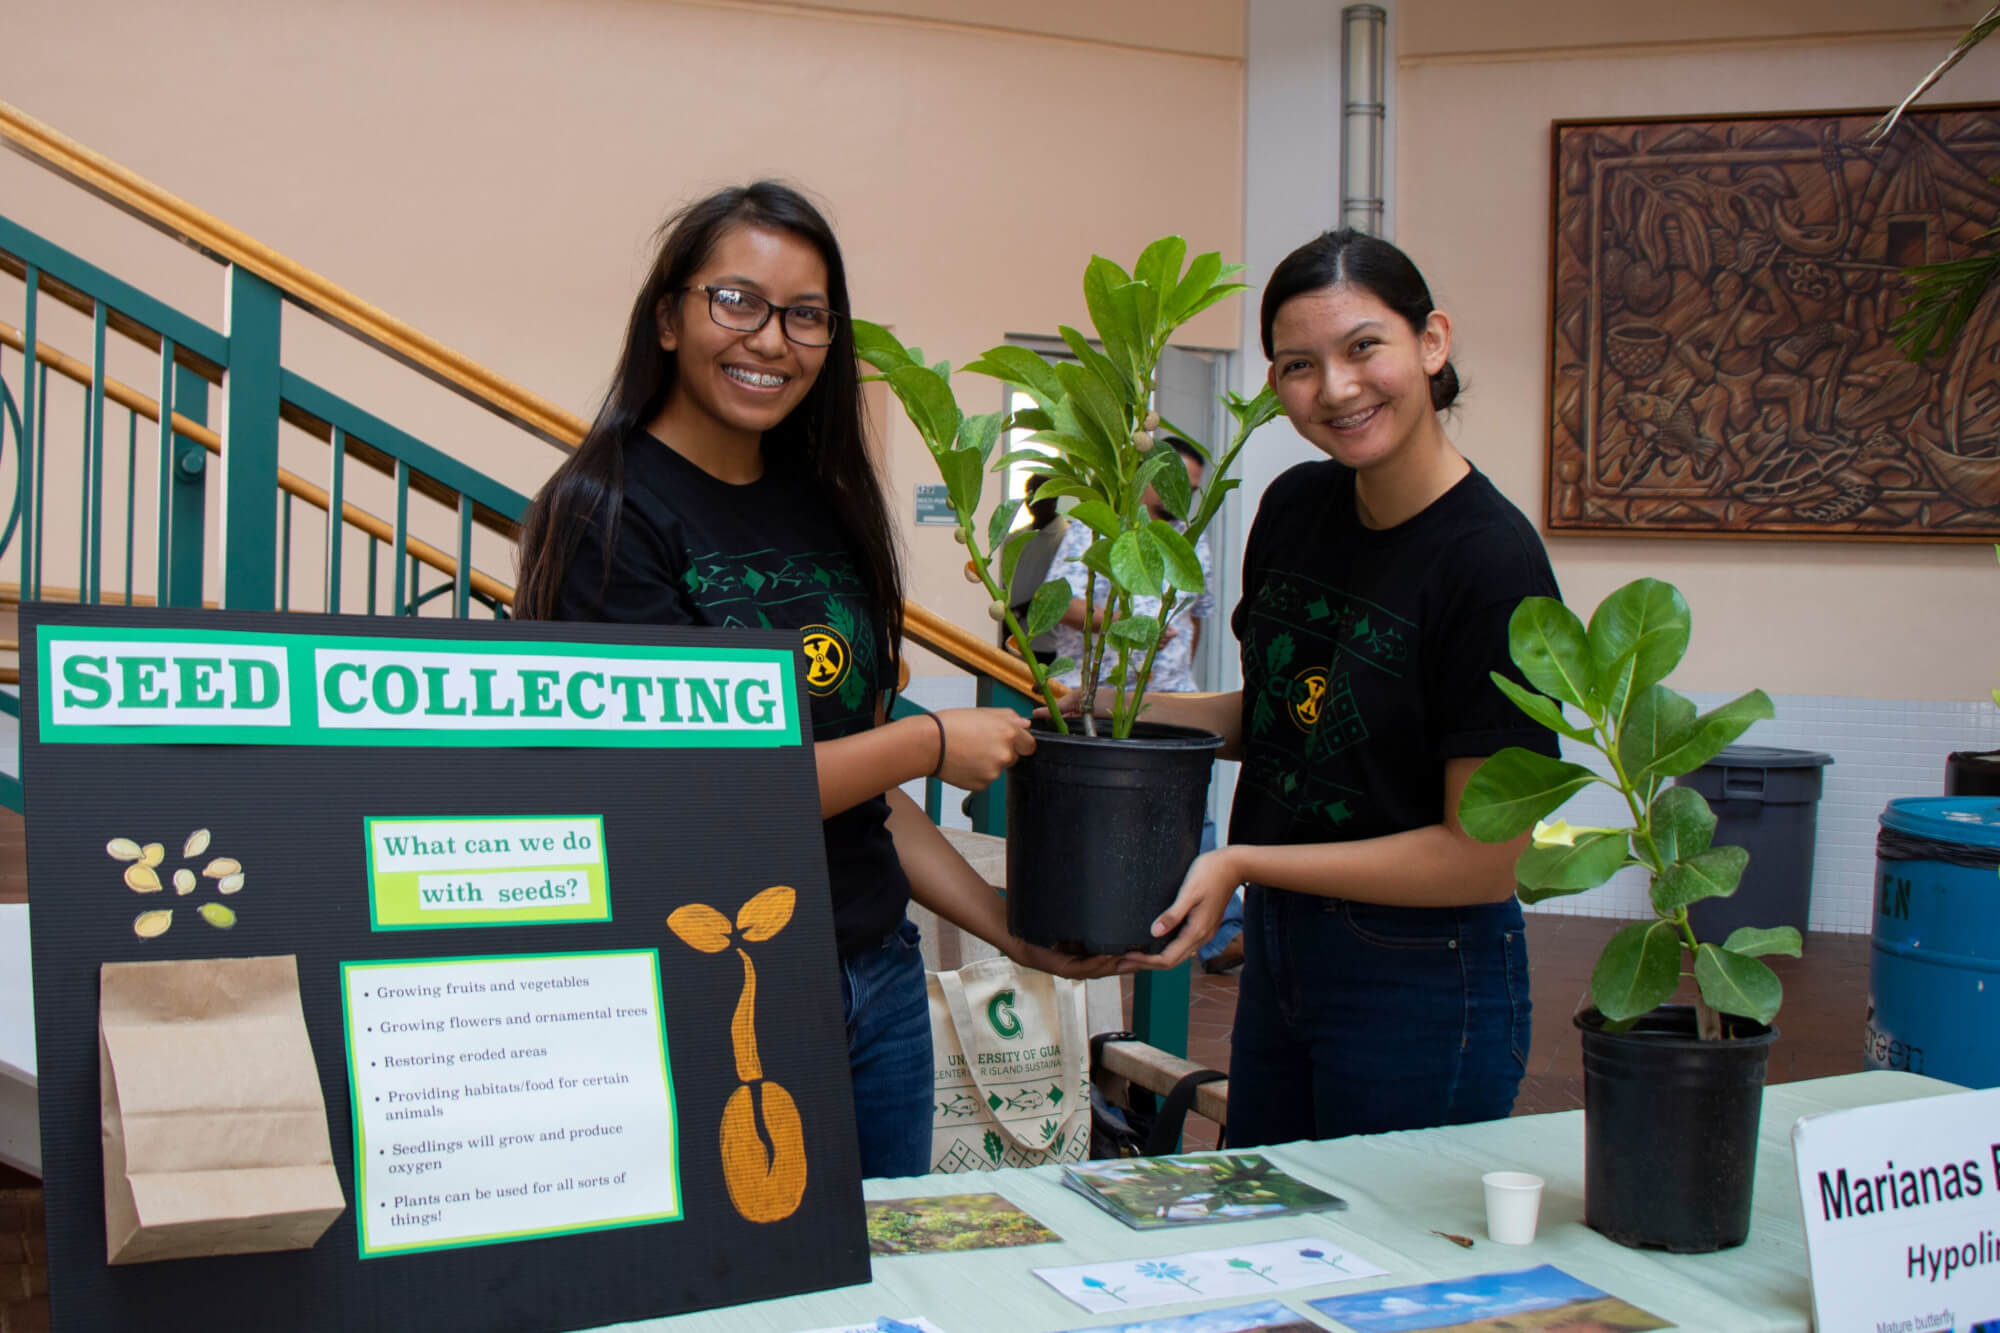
[(215, 1137)]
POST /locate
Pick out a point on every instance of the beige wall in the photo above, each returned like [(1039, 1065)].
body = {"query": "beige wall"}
[(1479, 84), (491, 170)]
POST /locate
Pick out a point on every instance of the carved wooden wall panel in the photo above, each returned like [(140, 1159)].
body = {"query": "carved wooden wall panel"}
[(1720, 360)]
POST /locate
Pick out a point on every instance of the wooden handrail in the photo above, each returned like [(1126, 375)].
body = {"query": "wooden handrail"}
[(291, 483), (134, 194), (149, 203)]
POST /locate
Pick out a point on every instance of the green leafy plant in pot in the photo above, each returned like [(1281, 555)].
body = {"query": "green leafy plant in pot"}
[(1672, 1093), (1101, 827)]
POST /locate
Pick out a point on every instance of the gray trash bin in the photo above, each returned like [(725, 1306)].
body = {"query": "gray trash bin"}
[(1766, 800)]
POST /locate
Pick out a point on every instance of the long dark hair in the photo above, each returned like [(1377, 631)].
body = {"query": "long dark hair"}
[(824, 433), (1359, 260)]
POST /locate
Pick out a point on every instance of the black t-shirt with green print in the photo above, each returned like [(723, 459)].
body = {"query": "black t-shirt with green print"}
[(1366, 655), (691, 550)]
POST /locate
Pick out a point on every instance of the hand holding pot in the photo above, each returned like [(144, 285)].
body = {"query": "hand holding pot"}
[(1059, 964), (1205, 893), (980, 744)]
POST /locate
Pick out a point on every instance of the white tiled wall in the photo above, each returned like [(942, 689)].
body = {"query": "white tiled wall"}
[(1881, 748)]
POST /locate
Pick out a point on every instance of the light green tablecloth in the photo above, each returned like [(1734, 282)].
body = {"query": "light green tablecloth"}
[(1399, 1187)]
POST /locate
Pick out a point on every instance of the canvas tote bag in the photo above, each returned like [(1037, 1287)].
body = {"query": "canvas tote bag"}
[(1012, 1068)]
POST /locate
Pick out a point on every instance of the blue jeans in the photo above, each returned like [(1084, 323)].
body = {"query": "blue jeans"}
[(1358, 1019), (889, 1054)]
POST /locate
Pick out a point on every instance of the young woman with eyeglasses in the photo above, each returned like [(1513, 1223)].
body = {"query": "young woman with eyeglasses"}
[(1385, 979), (726, 481)]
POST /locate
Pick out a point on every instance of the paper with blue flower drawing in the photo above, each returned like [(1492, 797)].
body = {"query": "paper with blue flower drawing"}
[(1241, 1270)]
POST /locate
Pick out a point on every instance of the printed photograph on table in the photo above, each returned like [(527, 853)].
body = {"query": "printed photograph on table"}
[(1148, 1192), (883, 1324), (1533, 1300), (1263, 1317), (624, 1095), (1177, 1279), (951, 1222)]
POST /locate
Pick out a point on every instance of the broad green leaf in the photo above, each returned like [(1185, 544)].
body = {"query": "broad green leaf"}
[(1714, 873), (1030, 418), (1638, 970), (1657, 721), (1250, 413), (1097, 411), (1183, 565), (1541, 708), (1167, 426), (1134, 632), (1036, 460), (963, 478), (1060, 665), (1019, 366), (1136, 564), (1154, 466), (1001, 521), (1097, 558), (1734, 983), (1086, 457), (1010, 555), (1532, 896), (1759, 941), (1159, 265), (879, 347), (1113, 318), (1051, 600), (1101, 517), (1219, 292), (980, 433), (1546, 641), (1594, 858), (1683, 825), (1175, 493), (1513, 789), (927, 398), (1097, 363), (1063, 486), (1711, 731), (1201, 275), (1637, 635)]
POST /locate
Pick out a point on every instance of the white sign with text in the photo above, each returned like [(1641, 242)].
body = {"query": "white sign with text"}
[(1902, 1214)]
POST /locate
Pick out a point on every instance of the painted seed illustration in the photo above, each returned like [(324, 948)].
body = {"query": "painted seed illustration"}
[(765, 1185)]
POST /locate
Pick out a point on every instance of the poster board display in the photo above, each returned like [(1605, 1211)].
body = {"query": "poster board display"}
[(549, 1107)]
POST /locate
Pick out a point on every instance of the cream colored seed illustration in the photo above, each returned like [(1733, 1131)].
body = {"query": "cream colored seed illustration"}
[(147, 925), (230, 884), (221, 866), (196, 844), (152, 854), (141, 878), (184, 881), (124, 849)]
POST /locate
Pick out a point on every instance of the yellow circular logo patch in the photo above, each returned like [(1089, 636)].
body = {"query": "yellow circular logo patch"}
[(1308, 697), (826, 659)]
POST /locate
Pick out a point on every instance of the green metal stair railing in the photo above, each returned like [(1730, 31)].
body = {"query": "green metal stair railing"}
[(169, 446)]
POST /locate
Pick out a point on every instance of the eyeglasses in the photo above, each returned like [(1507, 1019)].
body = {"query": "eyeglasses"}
[(747, 312)]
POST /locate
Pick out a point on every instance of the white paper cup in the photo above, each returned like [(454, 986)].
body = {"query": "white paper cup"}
[(1513, 1202)]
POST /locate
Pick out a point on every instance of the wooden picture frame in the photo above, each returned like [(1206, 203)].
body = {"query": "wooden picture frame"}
[(1720, 355)]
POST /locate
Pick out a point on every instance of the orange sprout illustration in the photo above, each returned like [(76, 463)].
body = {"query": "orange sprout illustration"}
[(765, 1182)]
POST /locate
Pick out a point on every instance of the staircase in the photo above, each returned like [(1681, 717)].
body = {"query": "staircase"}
[(109, 431)]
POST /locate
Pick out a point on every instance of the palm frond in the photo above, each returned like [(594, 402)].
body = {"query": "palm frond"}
[(1977, 33), (1942, 299)]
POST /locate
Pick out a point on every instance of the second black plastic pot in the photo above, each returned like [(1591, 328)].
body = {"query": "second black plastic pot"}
[(1670, 1129), (1100, 833)]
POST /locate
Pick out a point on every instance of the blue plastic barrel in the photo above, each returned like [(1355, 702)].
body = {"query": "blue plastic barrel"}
[(1934, 972)]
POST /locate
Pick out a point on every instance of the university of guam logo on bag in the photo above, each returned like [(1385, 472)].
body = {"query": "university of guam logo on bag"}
[(1000, 1013)]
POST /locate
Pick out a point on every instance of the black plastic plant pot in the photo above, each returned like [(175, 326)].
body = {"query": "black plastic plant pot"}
[(1670, 1129), (1100, 833)]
